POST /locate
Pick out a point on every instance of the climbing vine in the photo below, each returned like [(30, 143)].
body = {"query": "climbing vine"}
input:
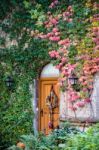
[(72, 31), (79, 52), (21, 57), (68, 31)]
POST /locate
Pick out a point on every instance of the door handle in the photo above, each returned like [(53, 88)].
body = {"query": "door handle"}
[(41, 112)]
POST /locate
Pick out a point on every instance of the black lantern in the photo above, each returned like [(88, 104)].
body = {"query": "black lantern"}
[(9, 82), (73, 79)]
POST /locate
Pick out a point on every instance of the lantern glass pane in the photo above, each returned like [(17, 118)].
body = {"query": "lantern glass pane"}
[(72, 81), (9, 82)]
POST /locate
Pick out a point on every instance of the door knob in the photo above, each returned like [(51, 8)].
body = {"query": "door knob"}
[(41, 112)]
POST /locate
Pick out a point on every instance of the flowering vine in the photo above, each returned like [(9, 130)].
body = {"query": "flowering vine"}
[(74, 48)]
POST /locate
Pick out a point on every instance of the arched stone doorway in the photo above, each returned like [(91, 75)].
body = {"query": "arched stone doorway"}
[(49, 99)]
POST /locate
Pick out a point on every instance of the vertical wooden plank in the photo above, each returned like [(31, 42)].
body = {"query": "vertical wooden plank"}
[(44, 92)]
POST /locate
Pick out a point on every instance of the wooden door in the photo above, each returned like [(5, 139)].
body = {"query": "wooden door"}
[(48, 105)]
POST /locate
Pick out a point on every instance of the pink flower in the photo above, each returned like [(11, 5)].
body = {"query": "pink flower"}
[(97, 47), (54, 38), (70, 20), (53, 21), (49, 34), (82, 78), (95, 29), (96, 40), (57, 33), (87, 100), (65, 42), (84, 90), (71, 68), (54, 54), (66, 14), (65, 72), (63, 60), (53, 4), (63, 79), (73, 96), (46, 22), (85, 83), (56, 2), (55, 30), (73, 108), (96, 19), (49, 13), (96, 5), (59, 66), (80, 104), (43, 36), (69, 8), (48, 26)]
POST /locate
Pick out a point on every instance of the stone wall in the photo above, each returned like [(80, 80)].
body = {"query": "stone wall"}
[(34, 101), (90, 112)]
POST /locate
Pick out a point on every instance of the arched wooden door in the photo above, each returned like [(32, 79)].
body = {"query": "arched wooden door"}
[(48, 104)]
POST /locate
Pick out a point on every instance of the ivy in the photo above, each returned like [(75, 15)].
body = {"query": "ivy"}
[(22, 22), (23, 61)]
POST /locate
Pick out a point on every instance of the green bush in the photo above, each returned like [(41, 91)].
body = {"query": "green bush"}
[(54, 141), (16, 115), (66, 138), (88, 140)]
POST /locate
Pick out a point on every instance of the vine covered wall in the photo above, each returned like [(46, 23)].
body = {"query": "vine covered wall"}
[(72, 31), (68, 31), (21, 57)]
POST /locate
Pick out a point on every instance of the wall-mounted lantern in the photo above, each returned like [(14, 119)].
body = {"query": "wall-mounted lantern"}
[(9, 82), (73, 79)]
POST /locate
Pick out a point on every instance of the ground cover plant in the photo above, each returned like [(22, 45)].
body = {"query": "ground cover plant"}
[(55, 140), (65, 138)]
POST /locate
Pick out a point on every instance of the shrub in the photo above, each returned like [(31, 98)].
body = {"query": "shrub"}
[(54, 140), (65, 138), (88, 140)]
